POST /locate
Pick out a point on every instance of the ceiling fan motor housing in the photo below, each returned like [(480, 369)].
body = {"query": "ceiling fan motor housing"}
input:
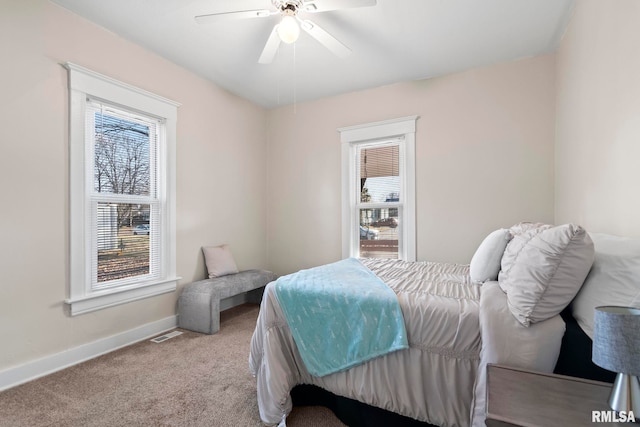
[(287, 7)]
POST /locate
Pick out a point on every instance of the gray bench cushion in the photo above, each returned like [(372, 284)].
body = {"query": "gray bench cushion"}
[(199, 302)]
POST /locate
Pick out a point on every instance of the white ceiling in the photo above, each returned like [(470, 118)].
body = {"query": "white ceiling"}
[(396, 40)]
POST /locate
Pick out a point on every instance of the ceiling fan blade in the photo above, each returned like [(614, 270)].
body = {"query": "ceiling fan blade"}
[(240, 14), (327, 5), (271, 47), (326, 39)]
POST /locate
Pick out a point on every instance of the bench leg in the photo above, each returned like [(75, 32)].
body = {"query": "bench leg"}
[(215, 315), (199, 312)]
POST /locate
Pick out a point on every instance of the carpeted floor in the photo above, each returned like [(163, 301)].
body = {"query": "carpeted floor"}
[(190, 380)]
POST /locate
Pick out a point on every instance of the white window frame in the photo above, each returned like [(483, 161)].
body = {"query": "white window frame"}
[(351, 137), (85, 84)]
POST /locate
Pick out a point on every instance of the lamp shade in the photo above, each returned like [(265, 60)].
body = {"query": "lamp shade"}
[(616, 339)]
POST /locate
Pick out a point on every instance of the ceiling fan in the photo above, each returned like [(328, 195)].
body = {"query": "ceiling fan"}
[(288, 29)]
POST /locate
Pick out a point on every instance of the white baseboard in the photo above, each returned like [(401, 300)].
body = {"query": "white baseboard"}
[(49, 364)]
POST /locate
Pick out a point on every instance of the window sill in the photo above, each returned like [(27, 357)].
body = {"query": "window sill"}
[(112, 297)]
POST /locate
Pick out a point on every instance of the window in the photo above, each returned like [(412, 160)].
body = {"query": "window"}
[(122, 192), (378, 189)]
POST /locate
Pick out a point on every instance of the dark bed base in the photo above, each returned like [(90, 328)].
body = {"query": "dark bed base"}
[(574, 361), (349, 411), (575, 354)]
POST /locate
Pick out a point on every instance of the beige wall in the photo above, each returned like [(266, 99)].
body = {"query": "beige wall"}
[(598, 118), (484, 148), (220, 169)]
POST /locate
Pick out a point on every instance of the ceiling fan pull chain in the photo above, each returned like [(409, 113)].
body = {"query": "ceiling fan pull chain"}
[(295, 81)]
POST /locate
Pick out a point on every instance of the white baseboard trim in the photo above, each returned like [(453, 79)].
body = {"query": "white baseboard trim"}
[(49, 364)]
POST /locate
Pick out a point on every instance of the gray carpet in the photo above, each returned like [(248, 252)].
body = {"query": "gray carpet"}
[(190, 380)]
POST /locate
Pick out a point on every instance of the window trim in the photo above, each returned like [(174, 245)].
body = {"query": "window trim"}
[(84, 83), (353, 136)]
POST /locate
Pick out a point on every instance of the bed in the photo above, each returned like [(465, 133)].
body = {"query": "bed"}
[(458, 318)]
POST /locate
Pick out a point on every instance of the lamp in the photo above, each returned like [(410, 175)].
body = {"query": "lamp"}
[(616, 347), (288, 29)]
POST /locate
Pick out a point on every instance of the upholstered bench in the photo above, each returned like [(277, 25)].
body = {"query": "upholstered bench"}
[(199, 303)]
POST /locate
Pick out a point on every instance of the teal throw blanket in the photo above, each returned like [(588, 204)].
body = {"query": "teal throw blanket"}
[(340, 315)]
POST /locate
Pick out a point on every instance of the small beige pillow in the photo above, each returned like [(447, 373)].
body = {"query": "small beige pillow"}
[(219, 261), (547, 272)]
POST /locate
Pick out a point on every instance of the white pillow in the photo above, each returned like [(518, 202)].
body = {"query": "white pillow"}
[(485, 263), (547, 272), (614, 278), (219, 261)]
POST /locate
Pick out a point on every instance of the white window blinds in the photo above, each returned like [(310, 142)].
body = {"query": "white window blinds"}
[(124, 208)]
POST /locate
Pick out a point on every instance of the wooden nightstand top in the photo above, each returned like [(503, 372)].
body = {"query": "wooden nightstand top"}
[(524, 398)]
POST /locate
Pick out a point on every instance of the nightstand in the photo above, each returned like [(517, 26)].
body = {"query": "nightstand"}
[(516, 397)]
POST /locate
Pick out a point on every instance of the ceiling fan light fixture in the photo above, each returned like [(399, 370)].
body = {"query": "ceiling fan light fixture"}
[(288, 29)]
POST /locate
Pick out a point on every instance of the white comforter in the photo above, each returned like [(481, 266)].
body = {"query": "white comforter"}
[(454, 328)]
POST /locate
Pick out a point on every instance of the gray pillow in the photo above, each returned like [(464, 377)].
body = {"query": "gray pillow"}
[(485, 263), (547, 272)]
